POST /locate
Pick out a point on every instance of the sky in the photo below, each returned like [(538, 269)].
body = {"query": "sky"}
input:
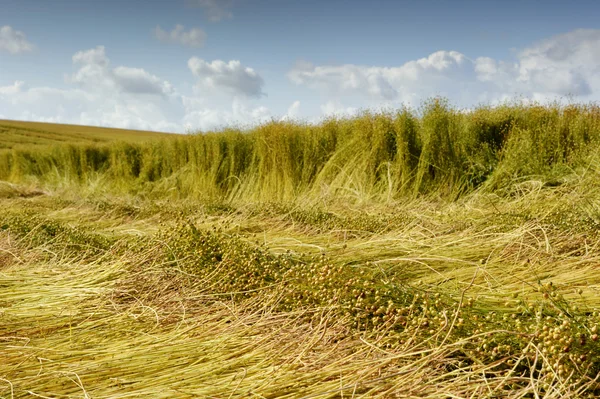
[(188, 65)]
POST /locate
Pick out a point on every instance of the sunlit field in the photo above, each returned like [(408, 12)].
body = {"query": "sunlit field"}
[(429, 253), (27, 135)]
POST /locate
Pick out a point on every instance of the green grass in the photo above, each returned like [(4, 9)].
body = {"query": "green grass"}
[(432, 254)]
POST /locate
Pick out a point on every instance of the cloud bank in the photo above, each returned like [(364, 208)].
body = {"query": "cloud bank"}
[(563, 65), (223, 92), (133, 98)]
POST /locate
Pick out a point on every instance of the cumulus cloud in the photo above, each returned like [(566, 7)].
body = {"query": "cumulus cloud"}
[(13, 41), (200, 116), (230, 76), (575, 49), (382, 83), (564, 64), (342, 79), (123, 97), (240, 114), (567, 64), (138, 81), (78, 106), (292, 113), (335, 108), (216, 10), (194, 37), (15, 88), (95, 56), (94, 73), (126, 97)]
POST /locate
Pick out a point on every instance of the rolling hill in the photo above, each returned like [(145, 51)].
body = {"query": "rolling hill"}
[(17, 134)]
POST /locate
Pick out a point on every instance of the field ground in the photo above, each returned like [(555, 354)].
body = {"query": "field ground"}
[(104, 298), (439, 255), (25, 135)]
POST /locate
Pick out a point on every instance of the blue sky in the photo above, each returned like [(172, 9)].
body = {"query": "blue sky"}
[(183, 65)]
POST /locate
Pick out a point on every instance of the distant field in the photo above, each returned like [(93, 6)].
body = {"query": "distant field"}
[(16, 134)]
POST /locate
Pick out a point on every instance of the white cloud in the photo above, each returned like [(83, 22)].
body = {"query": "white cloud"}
[(195, 37), (576, 49), (567, 64), (126, 97), (95, 56), (46, 104), (94, 73), (335, 108), (13, 41), (216, 10), (292, 113), (131, 115), (240, 115), (486, 68), (440, 70), (564, 64), (104, 96), (136, 80), (15, 88), (229, 76)]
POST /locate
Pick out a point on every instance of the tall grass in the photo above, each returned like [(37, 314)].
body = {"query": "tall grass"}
[(150, 295), (435, 150)]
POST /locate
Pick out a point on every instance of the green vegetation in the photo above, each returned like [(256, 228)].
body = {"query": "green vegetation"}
[(374, 157), (416, 254)]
